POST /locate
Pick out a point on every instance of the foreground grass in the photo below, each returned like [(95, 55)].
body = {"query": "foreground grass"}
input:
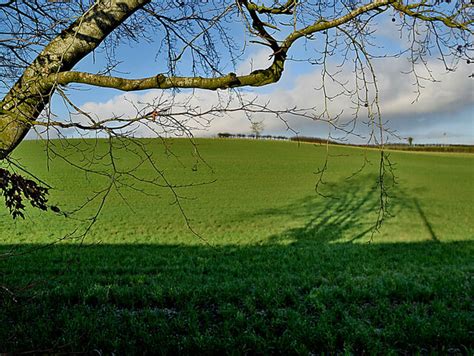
[(283, 270)]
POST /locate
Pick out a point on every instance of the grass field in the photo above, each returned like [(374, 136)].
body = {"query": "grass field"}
[(281, 270)]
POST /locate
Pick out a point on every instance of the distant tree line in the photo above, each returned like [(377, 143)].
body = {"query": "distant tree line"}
[(265, 137), (396, 146), (271, 137), (432, 147), (311, 139)]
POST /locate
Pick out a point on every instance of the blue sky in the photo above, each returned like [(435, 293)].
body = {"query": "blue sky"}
[(443, 114)]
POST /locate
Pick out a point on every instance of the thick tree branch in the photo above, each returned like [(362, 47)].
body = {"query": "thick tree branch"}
[(286, 9), (259, 26), (30, 94), (324, 24), (257, 78), (426, 16)]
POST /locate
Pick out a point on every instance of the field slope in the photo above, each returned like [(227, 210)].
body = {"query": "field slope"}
[(279, 269)]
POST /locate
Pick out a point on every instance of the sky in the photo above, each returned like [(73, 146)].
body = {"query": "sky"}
[(443, 113)]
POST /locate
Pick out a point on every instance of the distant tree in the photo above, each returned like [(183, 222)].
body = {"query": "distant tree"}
[(257, 128), (410, 140), (224, 135)]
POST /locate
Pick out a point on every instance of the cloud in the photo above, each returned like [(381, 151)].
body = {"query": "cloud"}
[(452, 92), (439, 105), (261, 59)]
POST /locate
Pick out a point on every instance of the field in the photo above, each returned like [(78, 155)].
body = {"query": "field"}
[(277, 268)]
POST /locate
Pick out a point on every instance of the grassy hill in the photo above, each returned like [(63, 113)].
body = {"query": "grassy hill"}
[(281, 270)]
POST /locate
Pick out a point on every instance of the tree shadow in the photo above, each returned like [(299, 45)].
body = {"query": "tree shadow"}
[(348, 214), (305, 296), (425, 220)]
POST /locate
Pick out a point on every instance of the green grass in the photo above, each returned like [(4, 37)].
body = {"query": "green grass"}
[(282, 270)]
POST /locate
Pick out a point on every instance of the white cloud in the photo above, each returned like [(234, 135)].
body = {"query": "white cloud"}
[(451, 96), (260, 60), (452, 92)]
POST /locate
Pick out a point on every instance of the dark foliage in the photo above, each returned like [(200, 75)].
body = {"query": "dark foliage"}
[(266, 137), (314, 140), (15, 189)]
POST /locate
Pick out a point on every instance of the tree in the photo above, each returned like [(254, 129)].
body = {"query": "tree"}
[(257, 128), (42, 42), (410, 141)]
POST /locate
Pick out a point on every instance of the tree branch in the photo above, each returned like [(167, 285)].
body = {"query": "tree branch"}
[(286, 9), (446, 20), (257, 78), (323, 24)]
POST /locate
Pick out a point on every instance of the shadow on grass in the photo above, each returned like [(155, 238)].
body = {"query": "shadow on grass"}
[(306, 296), (350, 211), (425, 220), (348, 214)]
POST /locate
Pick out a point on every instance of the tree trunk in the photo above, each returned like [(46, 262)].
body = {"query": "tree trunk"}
[(27, 98)]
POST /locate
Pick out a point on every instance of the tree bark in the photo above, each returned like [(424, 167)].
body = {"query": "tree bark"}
[(30, 94)]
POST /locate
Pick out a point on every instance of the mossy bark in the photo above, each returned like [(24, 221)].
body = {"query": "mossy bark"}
[(31, 93)]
